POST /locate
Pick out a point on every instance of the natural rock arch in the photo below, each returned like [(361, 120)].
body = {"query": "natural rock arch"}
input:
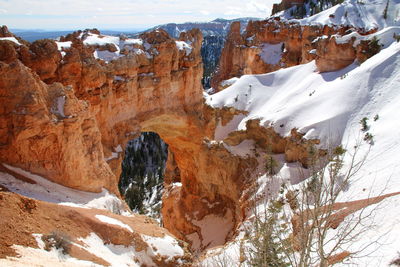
[(63, 114)]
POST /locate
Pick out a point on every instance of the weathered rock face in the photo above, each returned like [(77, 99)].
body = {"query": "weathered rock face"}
[(4, 32), (47, 125), (332, 56), (271, 44), (45, 129), (64, 112), (285, 4), (294, 147)]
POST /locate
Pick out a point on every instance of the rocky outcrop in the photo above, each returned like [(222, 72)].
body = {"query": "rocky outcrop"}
[(285, 4), (266, 46), (47, 130), (60, 130), (64, 112), (68, 109), (214, 35), (334, 55), (4, 32), (294, 147), (272, 44)]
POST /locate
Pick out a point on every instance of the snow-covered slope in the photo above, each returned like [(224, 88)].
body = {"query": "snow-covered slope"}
[(289, 98), (44, 190), (329, 107), (362, 14), (325, 106)]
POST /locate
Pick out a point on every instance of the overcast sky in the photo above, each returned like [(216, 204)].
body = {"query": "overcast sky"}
[(122, 14)]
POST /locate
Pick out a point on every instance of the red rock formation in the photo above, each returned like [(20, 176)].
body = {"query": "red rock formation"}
[(4, 32), (45, 129), (243, 53), (285, 4), (332, 56), (62, 113), (65, 131)]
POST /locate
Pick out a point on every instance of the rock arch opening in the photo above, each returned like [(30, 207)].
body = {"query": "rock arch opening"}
[(146, 166)]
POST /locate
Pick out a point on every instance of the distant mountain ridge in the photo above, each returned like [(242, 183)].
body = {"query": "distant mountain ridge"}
[(219, 26), (37, 34)]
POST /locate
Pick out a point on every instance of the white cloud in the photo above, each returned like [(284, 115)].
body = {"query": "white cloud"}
[(126, 13), (234, 11), (205, 12)]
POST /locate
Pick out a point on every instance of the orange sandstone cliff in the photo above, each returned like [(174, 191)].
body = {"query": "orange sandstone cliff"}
[(68, 107), (272, 44), (64, 112)]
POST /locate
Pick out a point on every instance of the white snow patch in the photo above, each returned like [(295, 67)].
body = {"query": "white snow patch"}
[(384, 37), (12, 39), (215, 229), (147, 46), (229, 82), (362, 14), (116, 255), (58, 106), (38, 257), (243, 149), (106, 55), (181, 45), (222, 132), (132, 42), (271, 53), (166, 245), (119, 149), (176, 185), (110, 220), (229, 255), (51, 192), (113, 156), (63, 45), (95, 39), (289, 98), (119, 78), (209, 205)]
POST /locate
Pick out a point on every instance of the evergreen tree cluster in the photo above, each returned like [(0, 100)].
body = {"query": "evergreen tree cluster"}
[(312, 7), (141, 181), (211, 50)]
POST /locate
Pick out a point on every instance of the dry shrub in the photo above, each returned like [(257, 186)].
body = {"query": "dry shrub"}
[(58, 240)]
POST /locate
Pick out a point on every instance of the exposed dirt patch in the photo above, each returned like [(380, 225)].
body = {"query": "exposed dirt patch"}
[(339, 212), (347, 208), (21, 217), (82, 254), (338, 257)]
